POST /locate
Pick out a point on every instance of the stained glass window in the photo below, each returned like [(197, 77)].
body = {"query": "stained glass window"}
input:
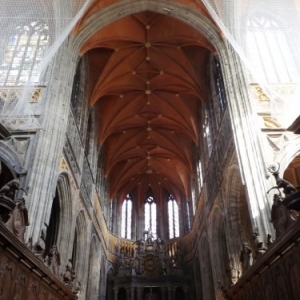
[(126, 218), (207, 133), (24, 51), (173, 217), (150, 216), (269, 50)]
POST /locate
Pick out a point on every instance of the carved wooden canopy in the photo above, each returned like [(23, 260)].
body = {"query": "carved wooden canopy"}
[(147, 75)]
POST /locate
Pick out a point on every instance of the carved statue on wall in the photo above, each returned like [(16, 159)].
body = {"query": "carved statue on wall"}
[(69, 275), (232, 272), (246, 258), (18, 220), (52, 260), (151, 295), (149, 236), (140, 245), (259, 245), (159, 244), (40, 246), (280, 216), (287, 187), (9, 189)]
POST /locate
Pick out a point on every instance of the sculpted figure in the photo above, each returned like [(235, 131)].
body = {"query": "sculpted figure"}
[(286, 186), (140, 245), (149, 236), (259, 245), (9, 189), (70, 273), (246, 257), (159, 244)]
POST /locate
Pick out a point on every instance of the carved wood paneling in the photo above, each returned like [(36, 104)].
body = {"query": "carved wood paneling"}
[(275, 276), (23, 276)]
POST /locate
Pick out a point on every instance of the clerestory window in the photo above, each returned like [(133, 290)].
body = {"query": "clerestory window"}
[(150, 216), (269, 50), (173, 217), (207, 133), (23, 53), (126, 218)]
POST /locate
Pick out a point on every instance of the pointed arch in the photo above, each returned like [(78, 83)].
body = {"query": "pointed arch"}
[(206, 270), (92, 292)]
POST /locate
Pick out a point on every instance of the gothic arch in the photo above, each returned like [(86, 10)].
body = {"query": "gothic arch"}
[(90, 143), (119, 10), (237, 218), (63, 191), (287, 154), (206, 269), (93, 272), (10, 158), (110, 283), (218, 245), (197, 279), (103, 278), (81, 246)]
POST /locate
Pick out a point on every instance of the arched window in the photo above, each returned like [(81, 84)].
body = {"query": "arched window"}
[(126, 218), (207, 133), (269, 50), (173, 217), (200, 175), (150, 216), (24, 51), (188, 217), (88, 137), (54, 223), (220, 89)]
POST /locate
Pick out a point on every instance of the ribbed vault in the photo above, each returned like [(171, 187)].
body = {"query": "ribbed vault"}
[(148, 73)]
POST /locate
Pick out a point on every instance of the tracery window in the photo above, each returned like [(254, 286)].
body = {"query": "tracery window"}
[(24, 51), (126, 218), (173, 217), (220, 89), (269, 50), (207, 133), (188, 223), (200, 175), (150, 216)]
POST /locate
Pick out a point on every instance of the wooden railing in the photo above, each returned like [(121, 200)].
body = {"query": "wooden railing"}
[(24, 276)]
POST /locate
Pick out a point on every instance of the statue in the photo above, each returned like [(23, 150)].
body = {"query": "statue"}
[(178, 258), (122, 258), (159, 244), (287, 187), (246, 258), (69, 275), (18, 219), (52, 260), (40, 246), (140, 245), (149, 236), (269, 240), (9, 189), (259, 245), (232, 272)]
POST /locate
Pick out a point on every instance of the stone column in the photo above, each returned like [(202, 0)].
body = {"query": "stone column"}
[(127, 293), (116, 290), (48, 147), (132, 292), (186, 291), (248, 139), (163, 293), (139, 293), (169, 292), (174, 293)]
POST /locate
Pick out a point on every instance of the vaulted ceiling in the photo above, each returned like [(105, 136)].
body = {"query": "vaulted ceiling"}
[(147, 76)]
